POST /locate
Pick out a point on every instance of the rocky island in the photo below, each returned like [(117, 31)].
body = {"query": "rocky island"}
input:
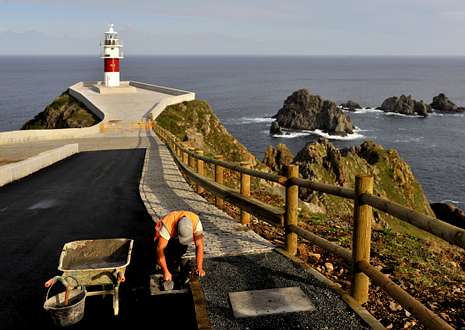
[(350, 106), (304, 111), (442, 103), (63, 112), (405, 105)]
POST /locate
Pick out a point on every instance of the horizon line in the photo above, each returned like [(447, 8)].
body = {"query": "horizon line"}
[(246, 55)]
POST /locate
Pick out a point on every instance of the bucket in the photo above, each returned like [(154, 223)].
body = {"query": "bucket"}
[(63, 314)]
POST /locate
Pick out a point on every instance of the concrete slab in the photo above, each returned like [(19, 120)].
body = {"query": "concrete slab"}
[(269, 301)]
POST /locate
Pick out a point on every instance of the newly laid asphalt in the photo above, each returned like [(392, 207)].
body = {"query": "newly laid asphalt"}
[(87, 196)]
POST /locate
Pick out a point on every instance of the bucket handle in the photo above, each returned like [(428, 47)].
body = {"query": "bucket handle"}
[(51, 282)]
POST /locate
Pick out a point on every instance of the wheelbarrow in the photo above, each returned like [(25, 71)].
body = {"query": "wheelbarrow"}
[(97, 264)]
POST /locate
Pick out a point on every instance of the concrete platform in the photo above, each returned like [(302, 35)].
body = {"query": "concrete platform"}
[(132, 106)]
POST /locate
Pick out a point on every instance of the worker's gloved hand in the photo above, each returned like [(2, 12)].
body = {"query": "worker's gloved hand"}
[(167, 276), (200, 272)]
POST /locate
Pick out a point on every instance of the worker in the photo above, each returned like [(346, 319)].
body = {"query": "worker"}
[(173, 233)]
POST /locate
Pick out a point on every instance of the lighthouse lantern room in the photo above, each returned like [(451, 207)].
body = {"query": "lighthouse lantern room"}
[(111, 54)]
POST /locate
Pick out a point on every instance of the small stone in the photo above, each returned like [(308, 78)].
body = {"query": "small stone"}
[(407, 313), (394, 307), (390, 326), (329, 266), (314, 257), (409, 324)]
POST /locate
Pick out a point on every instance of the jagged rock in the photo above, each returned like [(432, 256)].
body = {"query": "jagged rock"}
[(449, 213), (405, 105), (194, 138), (351, 106), (302, 110), (321, 161), (442, 103), (275, 129), (63, 112), (277, 158)]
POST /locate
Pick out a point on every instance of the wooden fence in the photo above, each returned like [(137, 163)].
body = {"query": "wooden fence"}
[(192, 164)]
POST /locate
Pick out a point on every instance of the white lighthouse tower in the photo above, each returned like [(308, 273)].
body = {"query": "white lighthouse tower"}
[(111, 53)]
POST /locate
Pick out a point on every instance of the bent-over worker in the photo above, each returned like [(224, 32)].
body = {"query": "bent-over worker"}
[(173, 233)]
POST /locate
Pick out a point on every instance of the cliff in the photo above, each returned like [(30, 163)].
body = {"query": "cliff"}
[(63, 112), (195, 123)]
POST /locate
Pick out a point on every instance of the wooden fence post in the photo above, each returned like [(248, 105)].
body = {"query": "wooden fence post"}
[(200, 170), (292, 205), (245, 191), (191, 159), (363, 215), (185, 158), (219, 179)]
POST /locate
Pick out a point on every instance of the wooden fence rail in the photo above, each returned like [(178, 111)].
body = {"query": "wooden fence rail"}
[(363, 198)]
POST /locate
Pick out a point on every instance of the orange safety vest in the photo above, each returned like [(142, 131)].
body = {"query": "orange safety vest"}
[(170, 221)]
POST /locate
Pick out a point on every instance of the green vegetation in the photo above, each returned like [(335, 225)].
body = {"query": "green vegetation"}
[(195, 123), (394, 180), (63, 112)]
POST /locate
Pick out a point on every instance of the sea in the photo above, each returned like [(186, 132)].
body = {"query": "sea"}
[(245, 91)]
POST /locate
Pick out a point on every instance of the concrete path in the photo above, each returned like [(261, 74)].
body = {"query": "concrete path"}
[(108, 141), (163, 189)]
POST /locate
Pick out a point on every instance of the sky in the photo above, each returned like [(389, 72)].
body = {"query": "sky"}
[(236, 27)]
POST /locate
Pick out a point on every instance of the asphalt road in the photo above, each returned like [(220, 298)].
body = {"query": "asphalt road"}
[(87, 196)]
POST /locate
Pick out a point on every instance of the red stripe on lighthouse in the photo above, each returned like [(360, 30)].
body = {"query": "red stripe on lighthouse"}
[(112, 65)]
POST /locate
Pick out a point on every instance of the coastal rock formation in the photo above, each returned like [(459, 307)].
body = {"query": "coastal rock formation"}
[(351, 106), (63, 112), (449, 213), (195, 123), (321, 161), (442, 103), (277, 157), (302, 110), (405, 105), (275, 129)]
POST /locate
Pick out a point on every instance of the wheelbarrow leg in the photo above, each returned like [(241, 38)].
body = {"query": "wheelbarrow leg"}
[(116, 300)]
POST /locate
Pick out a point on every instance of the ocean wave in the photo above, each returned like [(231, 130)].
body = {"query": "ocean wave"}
[(437, 114), (251, 120), (396, 114), (366, 110), (410, 139), (294, 134), (291, 135), (451, 201)]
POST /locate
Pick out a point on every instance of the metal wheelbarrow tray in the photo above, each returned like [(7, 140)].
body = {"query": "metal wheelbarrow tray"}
[(97, 262)]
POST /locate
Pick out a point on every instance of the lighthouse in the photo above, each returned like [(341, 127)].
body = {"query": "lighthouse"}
[(111, 54)]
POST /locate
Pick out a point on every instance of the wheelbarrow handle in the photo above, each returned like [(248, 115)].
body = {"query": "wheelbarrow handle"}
[(121, 278), (63, 281)]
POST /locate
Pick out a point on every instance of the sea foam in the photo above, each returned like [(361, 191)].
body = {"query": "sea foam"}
[(294, 134)]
